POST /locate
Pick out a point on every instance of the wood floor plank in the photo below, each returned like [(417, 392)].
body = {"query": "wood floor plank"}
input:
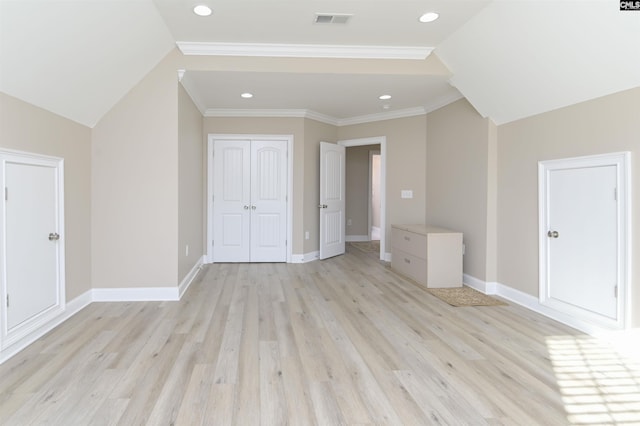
[(339, 341)]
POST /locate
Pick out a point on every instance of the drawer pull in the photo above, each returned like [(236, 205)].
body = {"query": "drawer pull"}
[(406, 260), (407, 238)]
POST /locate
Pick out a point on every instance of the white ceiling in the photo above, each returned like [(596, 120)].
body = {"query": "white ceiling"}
[(510, 58)]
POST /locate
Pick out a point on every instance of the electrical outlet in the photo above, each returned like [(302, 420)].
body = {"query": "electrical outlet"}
[(348, 222), (306, 235), (186, 250)]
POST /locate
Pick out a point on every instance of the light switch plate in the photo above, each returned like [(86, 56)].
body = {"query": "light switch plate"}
[(406, 193)]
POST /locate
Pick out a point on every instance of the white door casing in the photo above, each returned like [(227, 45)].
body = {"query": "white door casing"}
[(249, 207), (332, 200), (382, 141), (32, 244), (584, 239)]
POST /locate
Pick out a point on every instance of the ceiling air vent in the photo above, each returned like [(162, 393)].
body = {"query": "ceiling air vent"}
[(332, 18)]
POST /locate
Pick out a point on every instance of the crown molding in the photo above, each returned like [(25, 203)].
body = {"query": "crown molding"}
[(313, 115), (387, 115), (271, 113), (304, 50)]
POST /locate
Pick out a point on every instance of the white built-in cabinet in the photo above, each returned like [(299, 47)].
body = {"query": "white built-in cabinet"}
[(249, 200), (430, 255)]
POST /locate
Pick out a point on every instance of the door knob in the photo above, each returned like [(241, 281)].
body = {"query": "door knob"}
[(553, 234), (253, 207), (54, 236), (246, 207)]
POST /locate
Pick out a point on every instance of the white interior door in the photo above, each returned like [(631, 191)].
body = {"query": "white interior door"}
[(32, 238), (250, 200), (268, 201), (232, 201), (582, 241), (332, 199)]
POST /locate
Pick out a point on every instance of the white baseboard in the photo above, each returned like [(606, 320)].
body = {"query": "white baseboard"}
[(71, 308), (304, 258), (482, 286), (135, 294), (356, 238), (530, 302), (188, 279)]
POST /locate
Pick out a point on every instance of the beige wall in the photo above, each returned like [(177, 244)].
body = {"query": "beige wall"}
[(25, 127), (135, 185), (608, 124), (191, 179), (314, 133), (457, 179), (357, 189), (406, 153)]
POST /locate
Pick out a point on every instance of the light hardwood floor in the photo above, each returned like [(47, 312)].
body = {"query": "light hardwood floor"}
[(340, 341)]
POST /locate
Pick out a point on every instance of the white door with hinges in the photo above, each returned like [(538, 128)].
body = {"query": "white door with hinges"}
[(32, 241), (250, 200), (583, 237), (332, 200)]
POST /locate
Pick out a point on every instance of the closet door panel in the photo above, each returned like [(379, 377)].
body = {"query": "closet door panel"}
[(268, 201)]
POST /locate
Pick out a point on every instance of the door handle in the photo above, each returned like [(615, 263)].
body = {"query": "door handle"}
[(253, 207), (553, 234), (246, 207), (54, 236), (322, 206)]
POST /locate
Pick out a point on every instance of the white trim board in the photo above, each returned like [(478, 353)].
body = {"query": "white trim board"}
[(282, 50), (305, 258), (532, 303)]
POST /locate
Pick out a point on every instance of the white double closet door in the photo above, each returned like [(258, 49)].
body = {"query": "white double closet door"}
[(250, 201)]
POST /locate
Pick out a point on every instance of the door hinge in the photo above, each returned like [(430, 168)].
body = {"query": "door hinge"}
[(211, 243), (6, 193), (7, 300), (615, 194), (615, 291)]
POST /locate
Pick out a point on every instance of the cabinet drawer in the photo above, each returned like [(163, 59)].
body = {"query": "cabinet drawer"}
[(409, 265), (409, 242)]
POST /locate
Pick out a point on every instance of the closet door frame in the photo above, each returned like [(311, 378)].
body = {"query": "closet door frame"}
[(211, 138)]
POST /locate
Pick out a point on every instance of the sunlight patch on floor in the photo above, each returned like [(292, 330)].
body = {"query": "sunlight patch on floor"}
[(598, 377)]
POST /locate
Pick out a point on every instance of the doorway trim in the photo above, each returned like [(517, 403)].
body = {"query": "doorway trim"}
[(382, 141), (623, 170), (211, 137), (372, 153)]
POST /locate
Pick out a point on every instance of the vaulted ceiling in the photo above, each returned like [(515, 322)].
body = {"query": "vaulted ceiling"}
[(511, 59)]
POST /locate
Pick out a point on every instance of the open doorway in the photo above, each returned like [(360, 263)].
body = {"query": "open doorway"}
[(359, 212)]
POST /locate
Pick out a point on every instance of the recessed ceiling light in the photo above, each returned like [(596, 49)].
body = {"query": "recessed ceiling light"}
[(429, 17), (247, 95), (384, 97), (202, 10)]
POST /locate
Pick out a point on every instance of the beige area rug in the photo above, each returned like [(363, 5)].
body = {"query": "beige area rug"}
[(464, 296), (367, 246)]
